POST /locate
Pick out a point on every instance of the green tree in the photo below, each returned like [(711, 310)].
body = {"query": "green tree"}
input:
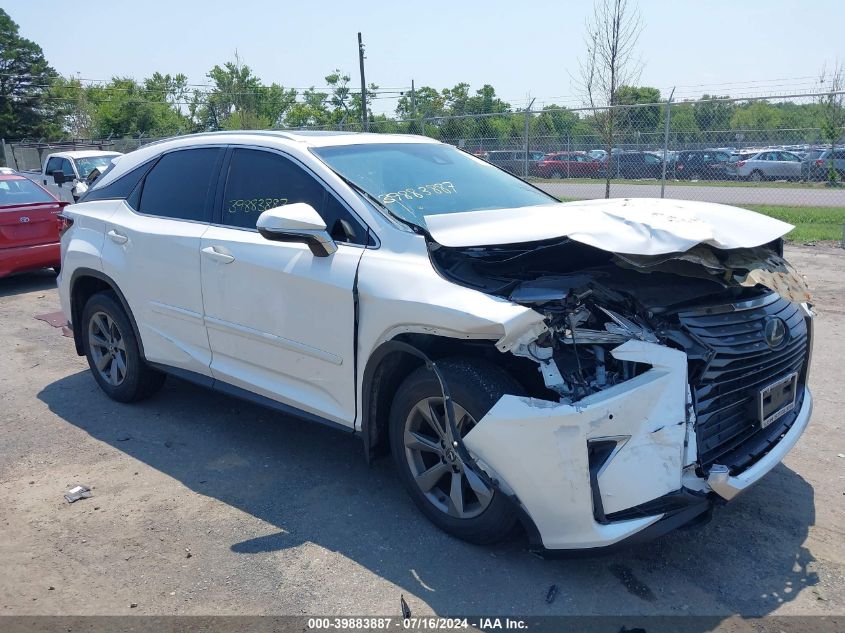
[(643, 119), (429, 104), (26, 107), (239, 101)]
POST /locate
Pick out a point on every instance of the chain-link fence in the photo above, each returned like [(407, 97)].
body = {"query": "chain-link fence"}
[(785, 150)]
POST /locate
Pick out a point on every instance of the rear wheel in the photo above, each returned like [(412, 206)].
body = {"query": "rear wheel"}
[(113, 352), (756, 176), (446, 490), (556, 175)]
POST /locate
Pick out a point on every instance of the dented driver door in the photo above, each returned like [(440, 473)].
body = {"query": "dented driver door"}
[(280, 320)]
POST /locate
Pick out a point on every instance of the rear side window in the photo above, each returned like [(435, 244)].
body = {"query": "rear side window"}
[(22, 191), (178, 186)]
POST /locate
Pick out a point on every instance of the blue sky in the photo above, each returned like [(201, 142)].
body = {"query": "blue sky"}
[(524, 49)]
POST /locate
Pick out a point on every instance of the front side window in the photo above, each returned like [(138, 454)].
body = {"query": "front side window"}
[(178, 186), (413, 180), (53, 164), (259, 180)]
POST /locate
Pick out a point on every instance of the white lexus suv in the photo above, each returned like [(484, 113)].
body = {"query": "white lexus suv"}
[(600, 372)]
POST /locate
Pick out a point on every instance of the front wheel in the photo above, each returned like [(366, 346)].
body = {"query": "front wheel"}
[(113, 353), (445, 489)]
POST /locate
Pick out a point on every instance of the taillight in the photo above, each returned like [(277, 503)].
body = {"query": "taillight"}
[(679, 167), (819, 162), (65, 222), (740, 163)]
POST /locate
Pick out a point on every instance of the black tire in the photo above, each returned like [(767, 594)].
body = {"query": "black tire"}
[(556, 175), (139, 380), (760, 176), (475, 386)]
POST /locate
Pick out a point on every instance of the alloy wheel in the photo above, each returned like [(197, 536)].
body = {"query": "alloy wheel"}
[(435, 465), (108, 349)]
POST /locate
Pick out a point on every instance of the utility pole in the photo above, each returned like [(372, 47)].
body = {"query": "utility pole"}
[(365, 120), (666, 143), (414, 108), (413, 101)]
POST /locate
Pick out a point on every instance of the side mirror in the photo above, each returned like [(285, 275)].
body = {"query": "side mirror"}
[(59, 177), (297, 222)]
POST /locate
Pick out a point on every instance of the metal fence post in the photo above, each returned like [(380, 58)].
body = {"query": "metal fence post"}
[(3, 152), (527, 137), (666, 144)]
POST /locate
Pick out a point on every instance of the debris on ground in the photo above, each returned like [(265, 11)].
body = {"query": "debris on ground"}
[(77, 492), (133, 605), (551, 594), (188, 553), (406, 610), (56, 319)]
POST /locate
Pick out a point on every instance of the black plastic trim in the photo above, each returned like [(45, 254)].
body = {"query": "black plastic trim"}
[(244, 394), (692, 516), (74, 318)]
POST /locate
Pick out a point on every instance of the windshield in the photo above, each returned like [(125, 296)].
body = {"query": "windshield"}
[(22, 191), (417, 179), (88, 164)]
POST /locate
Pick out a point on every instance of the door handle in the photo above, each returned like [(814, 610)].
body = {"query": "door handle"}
[(213, 253), (114, 236)]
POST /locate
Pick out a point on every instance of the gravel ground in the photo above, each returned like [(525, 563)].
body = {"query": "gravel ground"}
[(203, 504)]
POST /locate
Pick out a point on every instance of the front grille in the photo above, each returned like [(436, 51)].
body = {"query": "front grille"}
[(738, 364)]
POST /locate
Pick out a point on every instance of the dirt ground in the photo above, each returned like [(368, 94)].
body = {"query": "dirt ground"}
[(203, 504)]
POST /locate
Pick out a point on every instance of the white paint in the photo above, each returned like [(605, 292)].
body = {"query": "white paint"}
[(539, 449), (636, 226)]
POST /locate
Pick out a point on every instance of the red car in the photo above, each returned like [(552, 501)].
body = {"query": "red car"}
[(29, 228), (567, 165)]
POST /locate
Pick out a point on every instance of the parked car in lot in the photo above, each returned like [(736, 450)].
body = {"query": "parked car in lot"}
[(702, 164), (600, 371), (29, 226), (513, 161), (767, 165), (65, 174), (567, 165), (816, 164), (633, 165)]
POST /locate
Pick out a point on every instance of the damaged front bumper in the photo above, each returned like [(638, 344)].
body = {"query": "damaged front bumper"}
[(616, 465)]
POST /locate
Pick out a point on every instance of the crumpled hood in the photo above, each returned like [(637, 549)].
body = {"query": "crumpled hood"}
[(635, 226)]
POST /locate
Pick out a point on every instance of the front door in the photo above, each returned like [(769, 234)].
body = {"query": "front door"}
[(280, 320)]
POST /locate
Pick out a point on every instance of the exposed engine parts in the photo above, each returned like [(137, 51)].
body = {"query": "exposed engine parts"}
[(593, 301)]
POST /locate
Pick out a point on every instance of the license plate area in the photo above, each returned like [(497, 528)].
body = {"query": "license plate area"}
[(776, 399)]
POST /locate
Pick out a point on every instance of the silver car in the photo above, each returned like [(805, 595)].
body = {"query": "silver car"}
[(767, 165)]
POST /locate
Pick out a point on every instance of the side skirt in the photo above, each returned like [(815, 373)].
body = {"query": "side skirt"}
[(244, 394)]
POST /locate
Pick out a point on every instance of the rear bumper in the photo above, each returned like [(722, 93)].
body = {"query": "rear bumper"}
[(617, 467), (22, 258)]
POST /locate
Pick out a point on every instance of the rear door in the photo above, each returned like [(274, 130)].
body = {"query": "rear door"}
[(152, 251), (27, 214), (789, 166)]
